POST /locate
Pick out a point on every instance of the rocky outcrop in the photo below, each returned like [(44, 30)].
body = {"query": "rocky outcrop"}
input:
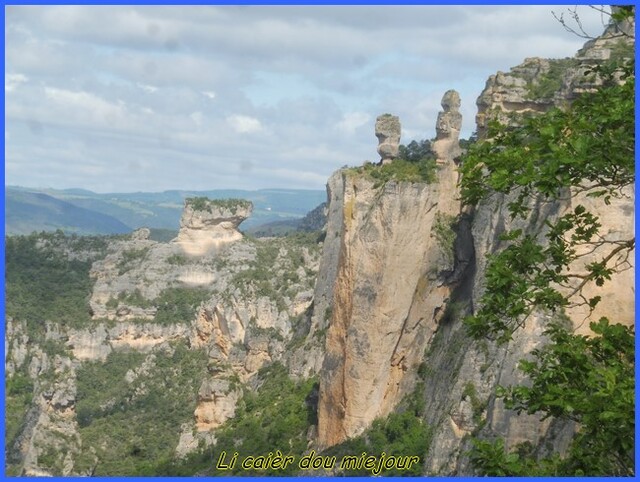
[(207, 224), (447, 146), (387, 295), (401, 266), (538, 84), (16, 346), (388, 132), (464, 373), (49, 441), (314, 220), (217, 401), (253, 294)]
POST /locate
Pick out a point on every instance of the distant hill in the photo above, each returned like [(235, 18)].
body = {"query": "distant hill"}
[(314, 220), (26, 212), (30, 209)]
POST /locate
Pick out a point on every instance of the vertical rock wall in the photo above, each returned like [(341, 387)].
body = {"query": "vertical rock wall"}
[(388, 294)]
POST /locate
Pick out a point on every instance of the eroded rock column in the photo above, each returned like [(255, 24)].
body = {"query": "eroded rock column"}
[(388, 133), (446, 146)]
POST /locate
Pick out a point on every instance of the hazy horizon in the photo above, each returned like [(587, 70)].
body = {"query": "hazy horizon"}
[(43, 188)]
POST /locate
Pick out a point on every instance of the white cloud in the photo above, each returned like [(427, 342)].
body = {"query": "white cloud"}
[(197, 118), (352, 120), (87, 107), (13, 81), (243, 124), (147, 88), (307, 83)]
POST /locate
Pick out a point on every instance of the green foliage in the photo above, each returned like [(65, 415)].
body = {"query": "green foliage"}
[(417, 152), (403, 432), (491, 459), (177, 260), (444, 231), (18, 397), (162, 235), (274, 273), (276, 417), (304, 239), (130, 258), (590, 147), (465, 144), (399, 170), (42, 283), (202, 203), (477, 405), (589, 380), (132, 425), (133, 298), (551, 81), (178, 305), (621, 51)]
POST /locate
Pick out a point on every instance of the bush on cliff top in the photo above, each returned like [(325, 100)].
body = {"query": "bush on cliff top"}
[(399, 170), (202, 203)]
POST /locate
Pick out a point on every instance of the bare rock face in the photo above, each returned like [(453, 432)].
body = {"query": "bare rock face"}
[(538, 84), (206, 224), (388, 131), (505, 93), (387, 297), (217, 401), (448, 125), (141, 234)]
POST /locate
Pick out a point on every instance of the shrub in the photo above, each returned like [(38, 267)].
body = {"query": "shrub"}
[(178, 305), (399, 170), (202, 203)]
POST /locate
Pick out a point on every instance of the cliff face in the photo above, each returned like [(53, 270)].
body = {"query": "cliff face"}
[(206, 224), (401, 266), (388, 292), (398, 301)]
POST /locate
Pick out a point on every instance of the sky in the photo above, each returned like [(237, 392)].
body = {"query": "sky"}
[(123, 98)]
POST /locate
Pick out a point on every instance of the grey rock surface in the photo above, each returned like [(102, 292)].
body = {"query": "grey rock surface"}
[(388, 131)]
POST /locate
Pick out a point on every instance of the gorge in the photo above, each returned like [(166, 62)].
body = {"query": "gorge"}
[(217, 341)]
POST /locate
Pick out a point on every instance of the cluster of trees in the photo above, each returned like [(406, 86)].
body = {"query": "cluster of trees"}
[(43, 283)]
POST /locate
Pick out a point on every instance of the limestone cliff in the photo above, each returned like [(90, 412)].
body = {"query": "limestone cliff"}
[(398, 302), (231, 301), (388, 293), (206, 224), (370, 309), (539, 84)]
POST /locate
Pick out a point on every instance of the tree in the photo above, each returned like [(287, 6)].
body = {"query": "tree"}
[(416, 151), (586, 149), (588, 380)]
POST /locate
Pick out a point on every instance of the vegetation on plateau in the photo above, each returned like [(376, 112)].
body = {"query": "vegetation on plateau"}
[(202, 203), (43, 282), (278, 416), (130, 408), (416, 163), (275, 417)]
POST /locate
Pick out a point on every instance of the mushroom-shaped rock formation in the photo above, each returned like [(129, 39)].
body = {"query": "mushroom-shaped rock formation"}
[(446, 146), (388, 134), (207, 224)]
